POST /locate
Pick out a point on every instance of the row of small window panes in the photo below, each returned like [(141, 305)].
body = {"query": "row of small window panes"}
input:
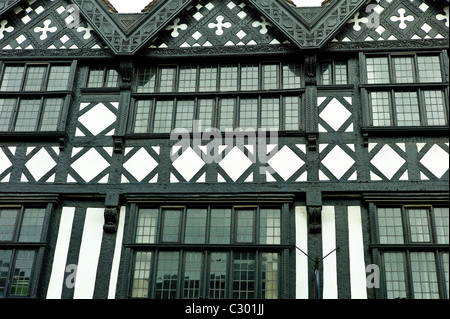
[(162, 116), (417, 108), (103, 77), (15, 272), (21, 224), (399, 225), (209, 225), (223, 78), (333, 73), (30, 115), (404, 69), (35, 77), (157, 275)]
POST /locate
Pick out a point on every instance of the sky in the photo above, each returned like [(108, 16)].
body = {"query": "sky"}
[(133, 6)]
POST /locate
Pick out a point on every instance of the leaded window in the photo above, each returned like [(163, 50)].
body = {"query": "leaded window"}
[(333, 73), (103, 77)]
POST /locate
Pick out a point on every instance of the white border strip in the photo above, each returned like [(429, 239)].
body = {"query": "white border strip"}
[(117, 253), (330, 287), (356, 254), (301, 241)]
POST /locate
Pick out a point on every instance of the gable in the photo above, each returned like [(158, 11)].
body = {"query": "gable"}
[(400, 20), (45, 24)]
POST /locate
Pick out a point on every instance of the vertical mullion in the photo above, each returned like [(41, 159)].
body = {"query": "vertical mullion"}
[(393, 108), (40, 114), (440, 275), (44, 83), (13, 119), (422, 107)]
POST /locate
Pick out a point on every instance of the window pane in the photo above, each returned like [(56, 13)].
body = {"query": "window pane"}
[(31, 229), (147, 226), (341, 72), (424, 276), (206, 113), (12, 78), (220, 232), (419, 226), (6, 113), (429, 69), (226, 120), (185, 115), (58, 78), (249, 77), (248, 115), (245, 225), (244, 275), (141, 276), (112, 78), (167, 79), (270, 227), (292, 76), (377, 70), (292, 113), (167, 275), (192, 275), (445, 266), (188, 79), (395, 275), (146, 80), (441, 218), (390, 225), (270, 77), (96, 77), (407, 109), (435, 107), (171, 227), (269, 276), (228, 78), (404, 69), (218, 276), (22, 273), (35, 77), (142, 117), (28, 116), (381, 109), (208, 79), (326, 74), (270, 113), (163, 117), (51, 114), (5, 265), (7, 223), (195, 232)]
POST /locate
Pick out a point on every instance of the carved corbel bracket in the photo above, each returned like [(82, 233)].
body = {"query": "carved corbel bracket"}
[(127, 74), (315, 219), (111, 219)]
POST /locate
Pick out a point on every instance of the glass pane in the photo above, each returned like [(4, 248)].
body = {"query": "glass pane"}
[(22, 273), (34, 79), (146, 80), (7, 223), (429, 69), (326, 74), (112, 78), (220, 232), (226, 120), (171, 226), (12, 78), (167, 275), (377, 70), (96, 77), (270, 227), (435, 107), (270, 113), (51, 114), (218, 276), (407, 109), (206, 114), (404, 69), (381, 108), (424, 276), (445, 266), (185, 115), (419, 225), (249, 77), (341, 72), (142, 117), (167, 79), (208, 79), (163, 117), (228, 78), (395, 275), (188, 79), (441, 218), (147, 226), (58, 78), (245, 225), (192, 275), (270, 77), (5, 265), (6, 113), (244, 275), (269, 275), (31, 228), (390, 227), (195, 232), (141, 275), (292, 113), (248, 115), (28, 116), (292, 76)]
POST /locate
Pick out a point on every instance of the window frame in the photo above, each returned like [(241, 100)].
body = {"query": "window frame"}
[(333, 78), (106, 70)]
